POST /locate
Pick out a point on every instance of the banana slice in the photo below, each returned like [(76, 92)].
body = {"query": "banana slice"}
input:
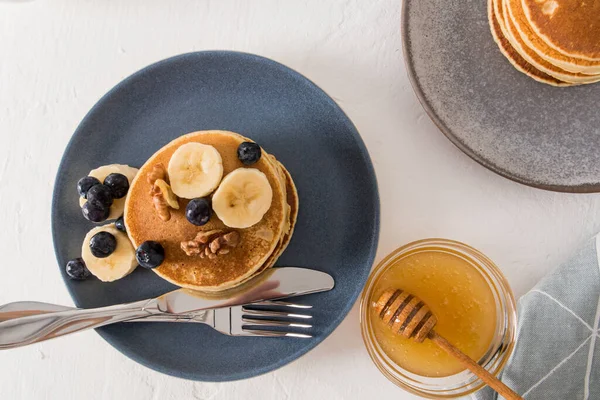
[(167, 193), (195, 170), (243, 198), (117, 265), (116, 210)]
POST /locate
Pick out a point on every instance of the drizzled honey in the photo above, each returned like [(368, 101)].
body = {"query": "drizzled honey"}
[(457, 294)]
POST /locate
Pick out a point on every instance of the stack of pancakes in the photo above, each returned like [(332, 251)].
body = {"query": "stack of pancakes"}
[(553, 41), (260, 245)]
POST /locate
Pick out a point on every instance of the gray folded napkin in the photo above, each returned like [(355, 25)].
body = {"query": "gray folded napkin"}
[(557, 354)]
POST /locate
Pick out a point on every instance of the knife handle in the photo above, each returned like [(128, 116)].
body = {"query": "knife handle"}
[(24, 330)]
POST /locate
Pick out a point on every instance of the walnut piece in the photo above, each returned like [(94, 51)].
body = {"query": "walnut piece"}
[(211, 243), (215, 245), (231, 239), (162, 195), (158, 172), (161, 206), (205, 236), (191, 248)]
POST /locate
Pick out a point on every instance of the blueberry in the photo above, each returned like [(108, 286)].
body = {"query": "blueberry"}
[(120, 224), (103, 244), (118, 184), (150, 254), (249, 153), (95, 211), (198, 211), (100, 193), (77, 270), (86, 184)]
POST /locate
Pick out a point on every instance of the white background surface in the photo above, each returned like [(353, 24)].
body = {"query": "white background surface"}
[(57, 58)]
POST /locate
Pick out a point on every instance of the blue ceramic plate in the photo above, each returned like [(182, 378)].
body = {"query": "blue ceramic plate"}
[(338, 224)]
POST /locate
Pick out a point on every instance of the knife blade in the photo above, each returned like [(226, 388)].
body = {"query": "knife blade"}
[(278, 283)]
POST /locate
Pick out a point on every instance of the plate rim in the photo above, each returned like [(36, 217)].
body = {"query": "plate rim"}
[(417, 89), (373, 245)]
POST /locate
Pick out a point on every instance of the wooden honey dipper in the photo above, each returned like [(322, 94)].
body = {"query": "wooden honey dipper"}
[(408, 316)]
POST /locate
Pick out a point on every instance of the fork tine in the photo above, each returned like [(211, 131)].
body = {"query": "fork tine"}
[(277, 303), (269, 313), (255, 321), (260, 332)]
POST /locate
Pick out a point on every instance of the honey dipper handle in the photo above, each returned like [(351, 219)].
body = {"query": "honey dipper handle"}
[(477, 369)]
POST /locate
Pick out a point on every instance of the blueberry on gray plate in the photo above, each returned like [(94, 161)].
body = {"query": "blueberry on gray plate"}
[(118, 184), (198, 211), (103, 244), (77, 270), (100, 193), (120, 224), (150, 254), (249, 153), (86, 184), (95, 211)]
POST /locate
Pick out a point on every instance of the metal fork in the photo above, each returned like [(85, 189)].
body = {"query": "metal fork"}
[(246, 320)]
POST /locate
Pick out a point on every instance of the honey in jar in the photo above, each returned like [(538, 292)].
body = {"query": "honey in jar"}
[(457, 294)]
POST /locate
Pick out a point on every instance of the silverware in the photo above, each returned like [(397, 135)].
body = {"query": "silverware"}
[(250, 321), (26, 308), (233, 321), (17, 330)]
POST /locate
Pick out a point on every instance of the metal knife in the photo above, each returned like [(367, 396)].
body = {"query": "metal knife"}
[(21, 323)]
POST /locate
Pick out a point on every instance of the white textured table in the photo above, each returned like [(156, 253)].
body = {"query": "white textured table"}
[(58, 57)]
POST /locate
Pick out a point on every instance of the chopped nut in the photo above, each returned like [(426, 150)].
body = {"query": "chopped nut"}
[(215, 245), (161, 206), (211, 243), (232, 239), (162, 196), (158, 172), (190, 248), (205, 236)]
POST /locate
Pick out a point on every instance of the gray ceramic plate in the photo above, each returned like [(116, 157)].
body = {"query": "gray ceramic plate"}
[(338, 223), (527, 131)]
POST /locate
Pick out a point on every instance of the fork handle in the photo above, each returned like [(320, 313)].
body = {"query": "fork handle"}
[(30, 329), (20, 309)]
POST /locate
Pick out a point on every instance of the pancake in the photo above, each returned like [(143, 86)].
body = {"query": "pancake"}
[(277, 166), (281, 174), (514, 11), (510, 32), (293, 201), (292, 214), (225, 271), (513, 56), (570, 27)]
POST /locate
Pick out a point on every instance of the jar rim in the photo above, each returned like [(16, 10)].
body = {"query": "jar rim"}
[(500, 349)]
